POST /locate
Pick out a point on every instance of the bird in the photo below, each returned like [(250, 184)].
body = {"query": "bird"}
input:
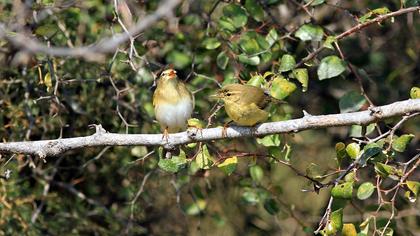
[(245, 104), (173, 103)]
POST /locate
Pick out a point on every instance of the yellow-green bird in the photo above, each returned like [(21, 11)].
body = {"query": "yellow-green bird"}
[(245, 104), (173, 103)]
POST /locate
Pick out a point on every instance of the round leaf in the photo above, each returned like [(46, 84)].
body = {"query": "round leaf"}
[(256, 80), (415, 92), (270, 140), (211, 43), (257, 173), (353, 150), (349, 230), (281, 87), (330, 67), (343, 190), (365, 190), (237, 15), (287, 63), (301, 74), (254, 61), (400, 144), (254, 9), (229, 165), (310, 32)]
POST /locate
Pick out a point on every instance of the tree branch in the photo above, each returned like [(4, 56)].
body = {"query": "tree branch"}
[(102, 138), (358, 28), (91, 52)]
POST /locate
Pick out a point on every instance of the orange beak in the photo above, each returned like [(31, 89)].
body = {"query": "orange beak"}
[(172, 74)]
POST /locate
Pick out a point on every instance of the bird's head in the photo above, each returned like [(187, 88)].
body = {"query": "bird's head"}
[(230, 93), (169, 74)]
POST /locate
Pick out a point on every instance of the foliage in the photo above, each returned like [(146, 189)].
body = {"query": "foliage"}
[(228, 187)]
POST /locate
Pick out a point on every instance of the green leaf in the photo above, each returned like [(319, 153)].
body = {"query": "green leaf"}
[(353, 150), (330, 67), (364, 226), (193, 168), (315, 2), (335, 223), (262, 42), (372, 14), (196, 123), (47, 30), (237, 15), (281, 88), (369, 151), (179, 59), (196, 207), (351, 101), (343, 191), (270, 140), (255, 10), (400, 144), (272, 37), (257, 173), (211, 43), (250, 197), (365, 190), (356, 130), (226, 23), (287, 63), (229, 165), (310, 32), (222, 60), (340, 150), (256, 80), (266, 57), (203, 158), (174, 164), (301, 74), (168, 165), (329, 41), (349, 230), (413, 190), (415, 92), (384, 170), (249, 44), (254, 61), (271, 206), (350, 177)]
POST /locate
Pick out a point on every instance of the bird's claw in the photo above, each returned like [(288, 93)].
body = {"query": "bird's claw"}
[(224, 131), (165, 135)]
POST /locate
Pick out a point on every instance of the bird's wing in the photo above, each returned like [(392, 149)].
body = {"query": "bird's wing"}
[(254, 95)]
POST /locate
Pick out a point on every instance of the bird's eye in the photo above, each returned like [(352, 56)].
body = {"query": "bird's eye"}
[(228, 94)]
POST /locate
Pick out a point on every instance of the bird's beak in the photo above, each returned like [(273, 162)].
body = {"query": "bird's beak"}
[(215, 96), (172, 74)]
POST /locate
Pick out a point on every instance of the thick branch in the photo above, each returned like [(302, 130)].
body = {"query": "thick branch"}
[(102, 138), (106, 45)]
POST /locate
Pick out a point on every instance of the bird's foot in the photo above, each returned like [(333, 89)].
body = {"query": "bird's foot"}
[(165, 135), (224, 130)]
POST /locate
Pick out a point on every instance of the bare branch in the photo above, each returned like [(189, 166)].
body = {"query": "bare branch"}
[(92, 52), (102, 138)]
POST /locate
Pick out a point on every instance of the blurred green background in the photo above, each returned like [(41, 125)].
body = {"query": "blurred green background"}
[(93, 191)]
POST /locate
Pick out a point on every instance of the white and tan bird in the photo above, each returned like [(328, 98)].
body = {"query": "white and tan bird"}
[(173, 103)]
